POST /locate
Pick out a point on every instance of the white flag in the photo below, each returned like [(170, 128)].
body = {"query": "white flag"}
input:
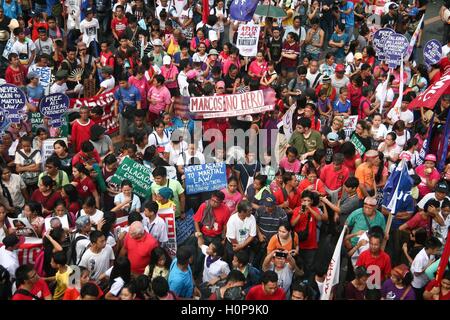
[(413, 40), (332, 277), (384, 91)]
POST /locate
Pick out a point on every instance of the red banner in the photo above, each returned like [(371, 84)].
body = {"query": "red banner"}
[(430, 97), (104, 100), (444, 261)]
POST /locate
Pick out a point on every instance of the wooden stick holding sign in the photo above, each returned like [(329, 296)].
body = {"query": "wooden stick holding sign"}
[(387, 230)]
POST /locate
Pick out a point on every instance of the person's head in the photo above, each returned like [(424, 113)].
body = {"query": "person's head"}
[(97, 239), (301, 291), (59, 260), (432, 207), (121, 268), (160, 287), (89, 291), (127, 188), (445, 282), (430, 161), (12, 242), (308, 198), (46, 184), (137, 230), (269, 281), (128, 291), (244, 209), (151, 209), (83, 224), (26, 143), (52, 165), (329, 58), (215, 249), (401, 276), (390, 139), (240, 259), (361, 274), (60, 208), (303, 125), (315, 22), (217, 199), (339, 27), (375, 239), (184, 256), (433, 245), (369, 206), (338, 160), (26, 276), (60, 147), (285, 230), (160, 175), (351, 185), (89, 205)]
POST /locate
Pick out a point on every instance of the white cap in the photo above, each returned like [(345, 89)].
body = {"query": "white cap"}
[(212, 36), (167, 60), (157, 42)]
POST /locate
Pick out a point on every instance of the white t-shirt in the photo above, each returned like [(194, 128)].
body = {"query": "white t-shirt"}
[(44, 46), (379, 94), (157, 228), (81, 245), (95, 218), (215, 269), (56, 88), (25, 49), (380, 132), (179, 5), (418, 266), (89, 30), (339, 83), (15, 186), (284, 277), (439, 231), (127, 7), (241, 230), (74, 10), (427, 197), (395, 115), (360, 250), (21, 160), (174, 154), (135, 203), (97, 263), (10, 261), (198, 58), (155, 140), (312, 78)]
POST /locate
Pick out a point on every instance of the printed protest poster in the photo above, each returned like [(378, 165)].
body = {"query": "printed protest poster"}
[(232, 105), (106, 102), (37, 120), (432, 52), (205, 177), (350, 125), (247, 39), (45, 77), (22, 227), (138, 174), (358, 145), (48, 149), (50, 221), (54, 106), (185, 227), (168, 215), (394, 49), (379, 37), (12, 102)]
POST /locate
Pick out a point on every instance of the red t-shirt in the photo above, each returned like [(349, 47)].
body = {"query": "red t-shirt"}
[(292, 197), (311, 242), (354, 95), (119, 25), (40, 289), (139, 251), (80, 133), (82, 158), (383, 261), (433, 283), (290, 49), (332, 179), (16, 77), (48, 202), (73, 293), (417, 221), (85, 187), (317, 186), (221, 216), (350, 163), (332, 97), (258, 293)]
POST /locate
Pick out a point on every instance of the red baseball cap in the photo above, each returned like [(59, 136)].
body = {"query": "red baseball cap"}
[(339, 68)]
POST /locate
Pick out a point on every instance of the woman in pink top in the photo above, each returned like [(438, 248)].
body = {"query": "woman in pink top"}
[(428, 174), (257, 67), (200, 38), (225, 53), (170, 72), (232, 59), (232, 195), (290, 163), (396, 83), (141, 83), (158, 96)]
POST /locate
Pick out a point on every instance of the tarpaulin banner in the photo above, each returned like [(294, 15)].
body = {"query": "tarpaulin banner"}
[(232, 105), (104, 100), (431, 96), (168, 215)]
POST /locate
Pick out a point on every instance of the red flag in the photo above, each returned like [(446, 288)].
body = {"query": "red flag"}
[(205, 12), (430, 97), (444, 261)]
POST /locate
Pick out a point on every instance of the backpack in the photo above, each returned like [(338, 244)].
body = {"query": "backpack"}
[(72, 252), (30, 178)]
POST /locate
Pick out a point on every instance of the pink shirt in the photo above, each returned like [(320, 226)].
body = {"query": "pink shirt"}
[(290, 167), (257, 69), (227, 64), (168, 73), (162, 97), (143, 87), (423, 188), (231, 200)]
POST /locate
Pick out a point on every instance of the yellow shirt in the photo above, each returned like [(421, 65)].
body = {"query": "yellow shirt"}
[(62, 282), (169, 204), (288, 21)]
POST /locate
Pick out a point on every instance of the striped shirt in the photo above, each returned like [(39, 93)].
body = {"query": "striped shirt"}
[(269, 223)]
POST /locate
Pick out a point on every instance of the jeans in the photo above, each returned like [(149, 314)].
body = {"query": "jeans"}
[(307, 256), (349, 31)]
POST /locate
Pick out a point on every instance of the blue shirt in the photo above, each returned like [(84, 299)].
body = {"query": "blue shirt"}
[(178, 123), (12, 10), (340, 107), (348, 19), (402, 206), (35, 92), (340, 53), (181, 282), (127, 97)]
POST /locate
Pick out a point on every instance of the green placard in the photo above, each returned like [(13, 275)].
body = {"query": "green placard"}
[(358, 145), (138, 174)]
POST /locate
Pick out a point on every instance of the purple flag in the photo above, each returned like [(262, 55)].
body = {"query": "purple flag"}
[(243, 10)]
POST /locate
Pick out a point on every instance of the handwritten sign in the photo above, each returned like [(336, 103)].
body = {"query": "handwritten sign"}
[(432, 52), (54, 106), (205, 177), (48, 149), (138, 174), (247, 39), (394, 49), (45, 77), (379, 38), (358, 145), (350, 125), (168, 215), (12, 101), (185, 227)]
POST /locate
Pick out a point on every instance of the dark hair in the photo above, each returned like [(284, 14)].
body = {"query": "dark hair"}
[(348, 149), (352, 182), (62, 143), (219, 195), (22, 274), (126, 182), (89, 289), (60, 258), (242, 257), (160, 286), (134, 216), (159, 172), (48, 182), (307, 291), (87, 146), (235, 276), (431, 202), (410, 143), (293, 150), (151, 206), (160, 78), (433, 243), (89, 202), (71, 192), (399, 125), (35, 207), (110, 159), (122, 269), (269, 276), (219, 250), (95, 235), (379, 174), (184, 253), (286, 225), (54, 161), (304, 122), (421, 236), (81, 168), (156, 254)]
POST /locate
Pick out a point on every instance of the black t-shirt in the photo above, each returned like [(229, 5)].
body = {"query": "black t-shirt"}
[(5, 23), (275, 47), (388, 21), (229, 82), (421, 4)]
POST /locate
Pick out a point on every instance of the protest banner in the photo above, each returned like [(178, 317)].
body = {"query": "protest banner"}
[(185, 227), (22, 227), (54, 106), (358, 145), (205, 177), (379, 38), (48, 149), (28, 251), (105, 101), (45, 76), (243, 10), (350, 125), (168, 215), (412, 41), (12, 102), (394, 48), (138, 174), (247, 39), (288, 122), (4, 122), (232, 105), (430, 97), (8, 48), (64, 222), (432, 52)]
